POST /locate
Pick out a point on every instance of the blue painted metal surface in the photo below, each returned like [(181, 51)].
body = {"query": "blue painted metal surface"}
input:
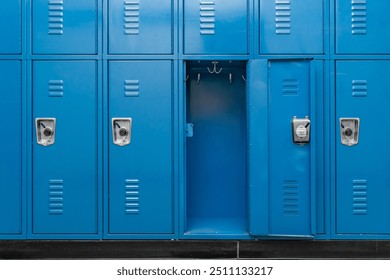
[(361, 27), (362, 179), (291, 27), (216, 27), (64, 26), (98, 59), (133, 25), (65, 185), (11, 149), (140, 174), (11, 31), (286, 188)]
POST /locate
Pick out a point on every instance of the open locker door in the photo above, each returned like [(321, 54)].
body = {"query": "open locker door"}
[(281, 148)]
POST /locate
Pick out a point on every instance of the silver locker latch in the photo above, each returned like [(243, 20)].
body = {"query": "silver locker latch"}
[(301, 130), (121, 131), (349, 131), (46, 131)]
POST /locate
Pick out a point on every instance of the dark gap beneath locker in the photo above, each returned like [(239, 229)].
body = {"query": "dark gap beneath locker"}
[(216, 148)]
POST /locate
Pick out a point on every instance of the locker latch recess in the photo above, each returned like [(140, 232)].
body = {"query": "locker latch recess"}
[(349, 131), (189, 130), (301, 130), (121, 131), (46, 131)]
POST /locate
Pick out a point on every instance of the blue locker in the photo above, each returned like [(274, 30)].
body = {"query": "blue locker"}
[(10, 151), (10, 30), (140, 171), (291, 27), (216, 27), (140, 27), (361, 27), (282, 186), (64, 26), (65, 187), (362, 187)]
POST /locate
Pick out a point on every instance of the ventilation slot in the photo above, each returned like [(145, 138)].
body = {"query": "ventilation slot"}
[(56, 197), (359, 88), (359, 17), (131, 17), (132, 88), (360, 197), (56, 17), (290, 198), (290, 87), (56, 88), (132, 197), (207, 17), (282, 17)]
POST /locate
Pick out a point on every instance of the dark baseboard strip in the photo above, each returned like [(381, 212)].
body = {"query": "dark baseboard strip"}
[(194, 249), (117, 249)]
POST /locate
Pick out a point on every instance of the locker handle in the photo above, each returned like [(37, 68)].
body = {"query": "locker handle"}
[(121, 131), (301, 130), (45, 131), (349, 131)]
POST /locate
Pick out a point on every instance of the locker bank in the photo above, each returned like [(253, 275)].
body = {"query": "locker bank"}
[(194, 119)]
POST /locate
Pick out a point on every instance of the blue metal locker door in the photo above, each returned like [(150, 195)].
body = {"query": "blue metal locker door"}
[(361, 27), (291, 27), (64, 26), (10, 148), (216, 27), (282, 184), (140, 27), (65, 173), (10, 27), (362, 189), (140, 173)]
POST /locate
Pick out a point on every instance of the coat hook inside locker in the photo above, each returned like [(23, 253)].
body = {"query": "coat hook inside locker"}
[(198, 81), (231, 78), (214, 71)]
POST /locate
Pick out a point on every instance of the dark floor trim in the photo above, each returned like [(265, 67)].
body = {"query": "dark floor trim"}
[(194, 249)]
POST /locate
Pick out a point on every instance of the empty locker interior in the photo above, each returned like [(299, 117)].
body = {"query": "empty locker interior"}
[(216, 148)]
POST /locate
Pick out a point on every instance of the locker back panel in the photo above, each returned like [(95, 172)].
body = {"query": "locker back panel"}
[(65, 173)]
